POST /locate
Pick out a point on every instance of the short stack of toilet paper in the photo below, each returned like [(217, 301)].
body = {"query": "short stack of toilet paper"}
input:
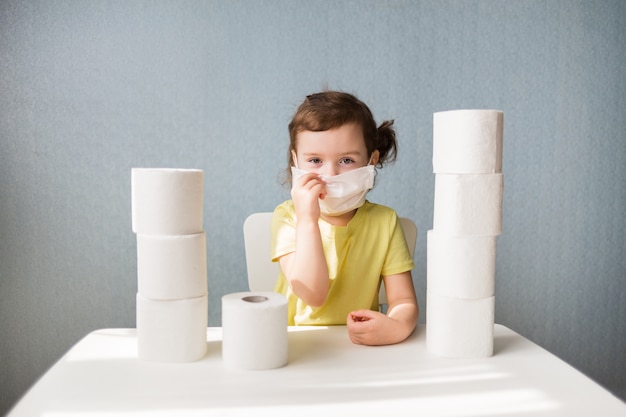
[(461, 247), (172, 309)]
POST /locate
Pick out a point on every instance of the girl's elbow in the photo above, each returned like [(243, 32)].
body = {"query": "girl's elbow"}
[(314, 297), (317, 300)]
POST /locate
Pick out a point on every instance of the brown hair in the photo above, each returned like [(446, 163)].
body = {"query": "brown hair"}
[(332, 109)]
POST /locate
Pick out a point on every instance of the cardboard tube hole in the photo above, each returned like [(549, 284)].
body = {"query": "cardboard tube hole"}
[(255, 298)]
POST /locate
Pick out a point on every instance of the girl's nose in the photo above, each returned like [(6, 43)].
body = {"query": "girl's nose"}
[(330, 170)]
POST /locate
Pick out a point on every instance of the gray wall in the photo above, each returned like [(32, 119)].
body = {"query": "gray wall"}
[(90, 89)]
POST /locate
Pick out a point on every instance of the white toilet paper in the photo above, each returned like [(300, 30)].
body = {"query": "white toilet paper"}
[(171, 267), (254, 326), (460, 266), (172, 330), (467, 142), (468, 204), (167, 201), (459, 328)]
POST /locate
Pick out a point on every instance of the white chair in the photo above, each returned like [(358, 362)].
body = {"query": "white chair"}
[(262, 272)]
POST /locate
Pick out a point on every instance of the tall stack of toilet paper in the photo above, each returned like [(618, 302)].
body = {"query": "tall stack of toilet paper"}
[(461, 247), (172, 308)]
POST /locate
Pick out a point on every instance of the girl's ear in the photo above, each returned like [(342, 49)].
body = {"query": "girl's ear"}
[(294, 158), (374, 157)]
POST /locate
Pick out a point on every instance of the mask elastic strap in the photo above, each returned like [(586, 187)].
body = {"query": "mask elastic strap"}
[(370, 161)]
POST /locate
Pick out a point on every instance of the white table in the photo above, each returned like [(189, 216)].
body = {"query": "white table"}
[(327, 375)]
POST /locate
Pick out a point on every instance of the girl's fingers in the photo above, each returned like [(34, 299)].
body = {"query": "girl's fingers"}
[(359, 318), (312, 182), (362, 315)]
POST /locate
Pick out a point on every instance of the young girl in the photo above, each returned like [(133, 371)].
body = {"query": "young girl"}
[(332, 244)]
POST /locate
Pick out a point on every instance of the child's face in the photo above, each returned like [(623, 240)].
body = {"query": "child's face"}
[(332, 152)]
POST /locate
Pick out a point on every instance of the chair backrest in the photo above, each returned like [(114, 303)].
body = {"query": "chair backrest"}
[(262, 272)]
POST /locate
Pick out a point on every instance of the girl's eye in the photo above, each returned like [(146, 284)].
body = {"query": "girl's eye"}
[(346, 161), (315, 161)]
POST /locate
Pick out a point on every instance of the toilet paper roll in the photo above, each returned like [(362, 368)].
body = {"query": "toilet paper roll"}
[(254, 326), (459, 328), (166, 201), (460, 266), (468, 204), (467, 141), (171, 267), (172, 330)]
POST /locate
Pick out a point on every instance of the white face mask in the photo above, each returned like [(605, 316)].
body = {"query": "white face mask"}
[(344, 192)]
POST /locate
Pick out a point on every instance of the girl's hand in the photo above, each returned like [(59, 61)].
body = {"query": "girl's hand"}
[(305, 193), (367, 327)]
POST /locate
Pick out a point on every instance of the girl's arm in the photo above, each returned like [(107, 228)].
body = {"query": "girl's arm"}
[(402, 302), (369, 327), (305, 268)]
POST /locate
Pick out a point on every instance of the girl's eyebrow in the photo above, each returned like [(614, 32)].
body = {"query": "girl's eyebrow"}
[(351, 153), (354, 153), (310, 155)]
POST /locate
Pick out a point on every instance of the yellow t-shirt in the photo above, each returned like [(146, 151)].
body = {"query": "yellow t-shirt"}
[(358, 255)]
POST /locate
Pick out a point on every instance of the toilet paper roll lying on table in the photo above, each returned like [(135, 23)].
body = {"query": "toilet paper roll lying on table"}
[(459, 328), (460, 266), (167, 201), (468, 204), (467, 141), (172, 330), (254, 326), (171, 267)]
